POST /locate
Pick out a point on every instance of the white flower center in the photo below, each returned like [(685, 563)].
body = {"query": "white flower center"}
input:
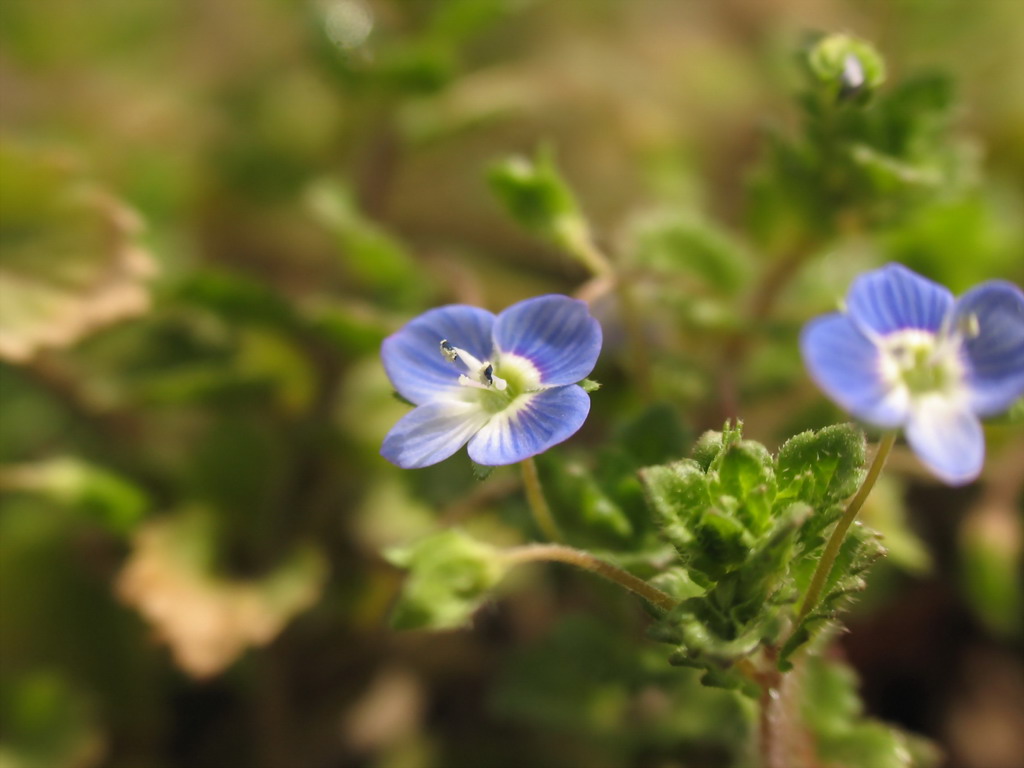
[(922, 362), (503, 380)]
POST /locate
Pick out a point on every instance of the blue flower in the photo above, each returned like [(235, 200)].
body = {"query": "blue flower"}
[(507, 385), (904, 353)]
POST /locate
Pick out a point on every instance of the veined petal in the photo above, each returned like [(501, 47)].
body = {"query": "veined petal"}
[(431, 433), (530, 425), (947, 438), (893, 298), (555, 333), (412, 355), (995, 355), (846, 365)]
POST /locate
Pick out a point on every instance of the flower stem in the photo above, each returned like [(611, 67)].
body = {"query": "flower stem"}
[(579, 241), (560, 553), (538, 504), (828, 557)]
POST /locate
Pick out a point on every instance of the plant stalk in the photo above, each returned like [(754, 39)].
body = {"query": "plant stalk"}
[(559, 553), (580, 242), (538, 504), (828, 557)]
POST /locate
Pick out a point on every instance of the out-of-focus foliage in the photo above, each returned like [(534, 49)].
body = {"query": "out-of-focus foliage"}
[(208, 621), (105, 497), (211, 215), (843, 736), (450, 575), (609, 702), (70, 261), (46, 725), (991, 564)]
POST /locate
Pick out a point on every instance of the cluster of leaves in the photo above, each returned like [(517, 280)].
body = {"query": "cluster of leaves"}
[(873, 165), (749, 527)]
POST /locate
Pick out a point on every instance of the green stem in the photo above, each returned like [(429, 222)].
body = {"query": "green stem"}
[(560, 553), (580, 243), (828, 557), (575, 237), (538, 504)]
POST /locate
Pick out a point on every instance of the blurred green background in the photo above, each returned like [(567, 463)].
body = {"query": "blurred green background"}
[(213, 213)]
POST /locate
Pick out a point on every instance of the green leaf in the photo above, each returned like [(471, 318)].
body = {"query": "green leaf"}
[(744, 471), (372, 256), (859, 550), (114, 501), (480, 471), (707, 448), (600, 512), (354, 332), (675, 492), (237, 297), (450, 575), (821, 467), (721, 543), (589, 385), (705, 638), (538, 198), (677, 583), (593, 501), (682, 243), (765, 577), (535, 195), (711, 443)]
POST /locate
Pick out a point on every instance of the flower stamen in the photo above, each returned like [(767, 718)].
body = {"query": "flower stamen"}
[(448, 351), (480, 374)]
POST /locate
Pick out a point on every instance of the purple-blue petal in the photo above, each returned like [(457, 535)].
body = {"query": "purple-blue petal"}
[(845, 364), (412, 355), (947, 438), (893, 298), (541, 420), (996, 355), (431, 433), (557, 334)]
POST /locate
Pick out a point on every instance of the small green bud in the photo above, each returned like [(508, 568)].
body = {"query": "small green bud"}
[(534, 193), (846, 66)]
